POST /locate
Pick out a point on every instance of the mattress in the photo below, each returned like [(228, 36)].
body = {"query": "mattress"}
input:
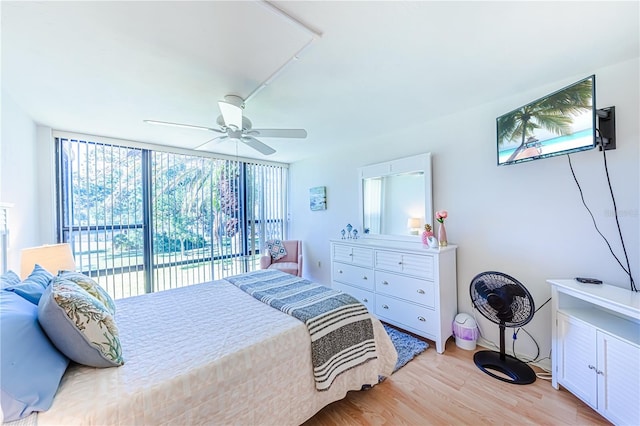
[(207, 353)]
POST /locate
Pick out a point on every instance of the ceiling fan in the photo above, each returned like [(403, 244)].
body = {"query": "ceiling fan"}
[(235, 127)]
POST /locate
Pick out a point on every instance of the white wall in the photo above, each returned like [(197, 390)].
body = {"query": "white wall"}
[(19, 179), (526, 220)]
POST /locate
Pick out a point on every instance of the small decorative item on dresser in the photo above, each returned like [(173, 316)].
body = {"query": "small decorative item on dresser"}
[(441, 215), (433, 242), (428, 232), (342, 233), (349, 228)]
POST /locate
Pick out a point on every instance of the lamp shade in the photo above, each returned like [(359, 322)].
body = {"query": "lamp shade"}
[(53, 258)]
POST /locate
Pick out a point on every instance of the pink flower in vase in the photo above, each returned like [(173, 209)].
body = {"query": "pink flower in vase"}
[(441, 215)]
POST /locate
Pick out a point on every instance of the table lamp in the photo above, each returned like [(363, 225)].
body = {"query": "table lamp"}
[(414, 225)]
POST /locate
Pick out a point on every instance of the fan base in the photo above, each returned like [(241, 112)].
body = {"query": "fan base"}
[(517, 372)]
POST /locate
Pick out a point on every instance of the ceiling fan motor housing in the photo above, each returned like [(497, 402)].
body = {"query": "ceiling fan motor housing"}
[(234, 100)]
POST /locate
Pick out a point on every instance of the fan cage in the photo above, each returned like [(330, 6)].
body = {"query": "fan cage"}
[(522, 307)]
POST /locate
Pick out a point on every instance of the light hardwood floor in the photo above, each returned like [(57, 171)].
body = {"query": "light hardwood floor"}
[(448, 389)]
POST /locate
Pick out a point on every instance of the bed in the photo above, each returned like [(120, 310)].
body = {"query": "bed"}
[(207, 353)]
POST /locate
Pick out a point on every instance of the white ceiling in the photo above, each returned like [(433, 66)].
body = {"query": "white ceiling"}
[(103, 67)]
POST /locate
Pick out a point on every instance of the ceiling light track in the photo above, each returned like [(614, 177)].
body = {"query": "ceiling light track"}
[(272, 7), (315, 35)]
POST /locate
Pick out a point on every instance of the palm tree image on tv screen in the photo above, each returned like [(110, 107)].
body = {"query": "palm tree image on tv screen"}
[(559, 123)]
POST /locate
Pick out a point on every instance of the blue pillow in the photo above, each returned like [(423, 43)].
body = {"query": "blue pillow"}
[(33, 286), (9, 278), (31, 366)]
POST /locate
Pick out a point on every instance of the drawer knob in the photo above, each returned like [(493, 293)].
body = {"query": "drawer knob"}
[(365, 277), (385, 306), (339, 271), (385, 282), (421, 291), (422, 319), (365, 300), (591, 367), (399, 263), (600, 372)]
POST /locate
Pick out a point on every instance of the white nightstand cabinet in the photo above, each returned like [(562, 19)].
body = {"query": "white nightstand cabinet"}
[(596, 347), (402, 283)]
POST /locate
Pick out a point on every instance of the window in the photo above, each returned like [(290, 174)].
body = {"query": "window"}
[(142, 220)]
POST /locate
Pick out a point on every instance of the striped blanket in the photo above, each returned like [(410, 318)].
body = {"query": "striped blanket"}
[(339, 325)]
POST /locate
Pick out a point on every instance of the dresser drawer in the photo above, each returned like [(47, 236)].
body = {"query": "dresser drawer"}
[(364, 296), (416, 265), (361, 256), (353, 275), (403, 287), (406, 314)]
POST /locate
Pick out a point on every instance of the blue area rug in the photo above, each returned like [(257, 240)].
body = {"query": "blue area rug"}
[(407, 346)]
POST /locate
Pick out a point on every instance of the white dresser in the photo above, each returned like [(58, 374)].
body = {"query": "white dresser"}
[(402, 283), (596, 347)]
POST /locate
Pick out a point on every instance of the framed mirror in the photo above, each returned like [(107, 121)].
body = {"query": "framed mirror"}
[(395, 197)]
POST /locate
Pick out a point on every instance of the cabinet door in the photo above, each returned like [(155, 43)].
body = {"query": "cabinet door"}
[(576, 367), (618, 380), (342, 253), (416, 265), (362, 256), (349, 254), (388, 260)]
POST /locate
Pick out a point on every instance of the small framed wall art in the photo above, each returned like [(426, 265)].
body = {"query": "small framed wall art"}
[(318, 198)]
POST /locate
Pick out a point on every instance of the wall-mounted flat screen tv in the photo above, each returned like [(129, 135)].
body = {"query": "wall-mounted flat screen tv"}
[(560, 123)]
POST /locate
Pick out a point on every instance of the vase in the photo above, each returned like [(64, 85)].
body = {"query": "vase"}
[(425, 237), (442, 235)]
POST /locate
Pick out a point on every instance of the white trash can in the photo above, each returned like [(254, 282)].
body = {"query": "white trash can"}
[(465, 331)]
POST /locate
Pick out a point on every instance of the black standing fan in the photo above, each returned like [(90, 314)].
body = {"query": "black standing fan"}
[(504, 301)]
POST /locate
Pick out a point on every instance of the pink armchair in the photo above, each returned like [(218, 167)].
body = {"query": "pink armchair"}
[(291, 263)]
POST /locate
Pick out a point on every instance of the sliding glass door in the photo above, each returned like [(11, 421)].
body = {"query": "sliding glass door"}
[(141, 220)]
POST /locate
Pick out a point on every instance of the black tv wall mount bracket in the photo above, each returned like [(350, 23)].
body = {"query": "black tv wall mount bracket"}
[(607, 127)]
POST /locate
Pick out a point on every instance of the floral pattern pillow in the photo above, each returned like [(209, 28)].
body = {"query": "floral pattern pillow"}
[(276, 249), (79, 324), (92, 287)]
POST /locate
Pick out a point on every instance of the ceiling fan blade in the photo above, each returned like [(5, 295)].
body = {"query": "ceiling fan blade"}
[(257, 145), (279, 133), (211, 143), (232, 114), (186, 126)]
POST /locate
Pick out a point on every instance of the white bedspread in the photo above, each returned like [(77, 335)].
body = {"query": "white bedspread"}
[(210, 354)]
